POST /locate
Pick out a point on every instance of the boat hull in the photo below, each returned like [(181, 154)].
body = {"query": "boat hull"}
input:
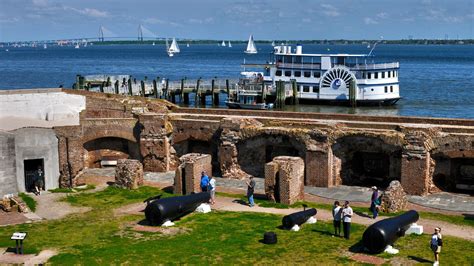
[(257, 106), (378, 102)]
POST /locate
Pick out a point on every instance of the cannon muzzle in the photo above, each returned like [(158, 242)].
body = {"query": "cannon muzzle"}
[(298, 218), (382, 233), (161, 210)]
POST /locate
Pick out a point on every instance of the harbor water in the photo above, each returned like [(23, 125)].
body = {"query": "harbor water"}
[(435, 81)]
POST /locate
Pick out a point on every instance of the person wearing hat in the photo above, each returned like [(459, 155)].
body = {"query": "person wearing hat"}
[(436, 243), (374, 202)]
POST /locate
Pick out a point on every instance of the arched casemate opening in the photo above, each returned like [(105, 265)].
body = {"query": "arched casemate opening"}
[(107, 150), (255, 152), (366, 161), (192, 145), (453, 172)]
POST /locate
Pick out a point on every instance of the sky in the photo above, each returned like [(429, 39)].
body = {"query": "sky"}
[(236, 20)]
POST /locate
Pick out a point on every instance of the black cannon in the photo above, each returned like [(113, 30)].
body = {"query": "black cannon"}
[(160, 210), (385, 232), (298, 218)]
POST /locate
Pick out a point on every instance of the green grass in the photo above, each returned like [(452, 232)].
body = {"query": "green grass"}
[(97, 237), (453, 219), (72, 190), (30, 202)]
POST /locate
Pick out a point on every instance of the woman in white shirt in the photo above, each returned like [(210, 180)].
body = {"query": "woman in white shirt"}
[(436, 243), (212, 189), (346, 219)]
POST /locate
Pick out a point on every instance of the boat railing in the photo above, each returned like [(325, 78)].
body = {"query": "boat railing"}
[(299, 65), (373, 66)]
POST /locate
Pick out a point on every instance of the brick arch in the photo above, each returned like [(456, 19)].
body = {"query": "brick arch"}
[(453, 170), (109, 148), (107, 133), (366, 160), (255, 150)]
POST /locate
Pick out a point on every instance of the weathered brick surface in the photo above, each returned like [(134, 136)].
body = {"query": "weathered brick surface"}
[(288, 173), (128, 174), (188, 174)]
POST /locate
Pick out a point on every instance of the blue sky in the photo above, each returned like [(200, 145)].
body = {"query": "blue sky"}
[(223, 19)]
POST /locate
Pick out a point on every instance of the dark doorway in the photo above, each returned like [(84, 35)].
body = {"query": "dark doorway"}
[(183, 181), (276, 190), (34, 169)]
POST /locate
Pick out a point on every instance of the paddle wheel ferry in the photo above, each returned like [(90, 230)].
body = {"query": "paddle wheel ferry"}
[(333, 78)]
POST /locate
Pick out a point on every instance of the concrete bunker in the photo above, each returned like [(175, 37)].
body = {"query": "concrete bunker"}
[(366, 161), (255, 152), (107, 150)]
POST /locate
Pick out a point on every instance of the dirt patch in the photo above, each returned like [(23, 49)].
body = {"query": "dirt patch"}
[(9, 257), (364, 258), (167, 231), (9, 218), (131, 209), (51, 207)]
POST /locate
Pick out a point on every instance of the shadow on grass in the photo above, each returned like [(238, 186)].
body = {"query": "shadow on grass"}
[(110, 183), (323, 232), (168, 189), (468, 216), (144, 222), (358, 248), (420, 260), (362, 214)]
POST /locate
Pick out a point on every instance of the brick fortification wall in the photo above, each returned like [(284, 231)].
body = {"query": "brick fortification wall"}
[(425, 155)]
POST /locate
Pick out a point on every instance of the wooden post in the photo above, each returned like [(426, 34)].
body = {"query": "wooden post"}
[(166, 88), (196, 98), (101, 87), (81, 82), (295, 92), (116, 87), (264, 96), (182, 89), (129, 83), (155, 89), (142, 85), (353, 93), (109, 83), (160, 91)]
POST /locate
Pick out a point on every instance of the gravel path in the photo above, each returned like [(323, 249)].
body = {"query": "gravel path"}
[(49, 206)]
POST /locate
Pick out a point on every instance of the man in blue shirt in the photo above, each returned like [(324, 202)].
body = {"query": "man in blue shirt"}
[(204, 181)]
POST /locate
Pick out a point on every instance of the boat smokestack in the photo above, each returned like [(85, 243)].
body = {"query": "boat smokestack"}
[(299, 49), (284, 49), (288, 49)]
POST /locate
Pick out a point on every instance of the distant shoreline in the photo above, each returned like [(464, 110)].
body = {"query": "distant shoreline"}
[(291, 42)]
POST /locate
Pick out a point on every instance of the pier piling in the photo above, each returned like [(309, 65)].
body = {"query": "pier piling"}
[(116, 86), (129, 83), (294, 86), (155, 89), (142, 86)]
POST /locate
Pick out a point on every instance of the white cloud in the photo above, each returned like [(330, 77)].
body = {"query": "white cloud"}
[(201, 21), (40, 3), (382, 15), (330, 10), (90, 12), (9, 20), (370, 21), (306, 20)]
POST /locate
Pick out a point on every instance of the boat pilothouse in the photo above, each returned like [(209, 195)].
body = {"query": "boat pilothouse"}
[(339, 78)]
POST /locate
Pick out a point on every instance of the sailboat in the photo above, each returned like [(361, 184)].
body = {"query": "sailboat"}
[(45, 46), (187, 45), (273, 43), (76, 46), (223, 44), (173, 49), (153, 44), (230, 45), (251, 49)]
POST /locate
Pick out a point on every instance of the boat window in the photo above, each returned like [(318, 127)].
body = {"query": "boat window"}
[(288, 59), (386, 89), (297, 73), (316, 74), (363, 75), (278, 73), (391, 88), (316, 89), (389, 74), (383, 74), (288, 73), (307, 74), (297, 60), (376, 75), (369, 75), (305, 88), (279, 59)]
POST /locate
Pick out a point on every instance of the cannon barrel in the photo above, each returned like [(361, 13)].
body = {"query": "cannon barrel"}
[(161, 210), (298, 218), (385, 232)]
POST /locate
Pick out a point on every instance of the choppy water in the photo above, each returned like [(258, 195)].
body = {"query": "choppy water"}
[(435, 81)]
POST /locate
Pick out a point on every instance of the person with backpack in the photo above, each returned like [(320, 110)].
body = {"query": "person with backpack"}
[(435, 244), (204, 181), (336, 214), (212, 189), (375, 202), (250, 190)]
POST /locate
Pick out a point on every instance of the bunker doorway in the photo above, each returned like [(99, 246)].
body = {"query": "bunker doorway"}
[(34, 169)]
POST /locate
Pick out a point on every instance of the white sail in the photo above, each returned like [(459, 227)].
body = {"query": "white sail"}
[(223, 43), (230, 45), (273, 43), (251, 49), (174, 46)]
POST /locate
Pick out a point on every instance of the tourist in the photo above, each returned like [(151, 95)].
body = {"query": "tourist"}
[(346, 219), (435, 244), (212, 188), (250, 190), (374, 202), (336, 214), (38, 181), (204, 181)]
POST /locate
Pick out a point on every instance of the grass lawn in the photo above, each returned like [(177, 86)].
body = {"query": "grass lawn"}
[(454, 219), (30, 202), (97, 237)]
